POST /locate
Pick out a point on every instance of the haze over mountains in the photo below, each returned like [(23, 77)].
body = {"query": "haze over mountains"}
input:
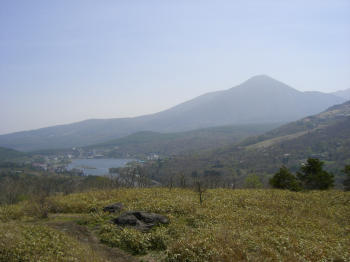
[(260, 99), (343, 93)]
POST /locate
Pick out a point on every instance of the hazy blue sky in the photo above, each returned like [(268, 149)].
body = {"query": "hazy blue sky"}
[(68, 60)]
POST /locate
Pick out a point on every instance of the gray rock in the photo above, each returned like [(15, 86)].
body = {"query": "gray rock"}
[(113, 208), (140, 220)]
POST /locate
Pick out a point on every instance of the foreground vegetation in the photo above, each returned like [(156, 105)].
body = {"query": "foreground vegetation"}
[(22, 242), (229, 225)]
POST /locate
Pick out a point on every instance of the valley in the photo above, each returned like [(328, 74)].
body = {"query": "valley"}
[(175, 131), (212, 185)]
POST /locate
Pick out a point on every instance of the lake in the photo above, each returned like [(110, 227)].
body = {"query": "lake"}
[(97, 167)]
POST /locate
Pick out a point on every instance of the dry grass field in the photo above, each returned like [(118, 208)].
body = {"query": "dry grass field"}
[(230, 225)]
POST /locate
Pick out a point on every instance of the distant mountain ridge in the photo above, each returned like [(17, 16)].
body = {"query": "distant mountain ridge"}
[(260, 99)]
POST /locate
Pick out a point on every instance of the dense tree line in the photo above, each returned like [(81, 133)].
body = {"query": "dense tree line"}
[(16, 186), (311, 176)]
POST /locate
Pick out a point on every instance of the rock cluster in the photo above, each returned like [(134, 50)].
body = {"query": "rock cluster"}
[(140, 220), (113, 208)]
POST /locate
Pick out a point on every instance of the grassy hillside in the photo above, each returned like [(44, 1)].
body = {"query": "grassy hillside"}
[(23, 242), (165, 144), (325, 136), (230, 225)]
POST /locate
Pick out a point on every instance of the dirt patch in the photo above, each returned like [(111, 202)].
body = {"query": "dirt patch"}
[(84, 235)]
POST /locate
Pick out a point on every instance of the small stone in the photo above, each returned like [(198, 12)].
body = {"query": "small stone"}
[(113, 208)]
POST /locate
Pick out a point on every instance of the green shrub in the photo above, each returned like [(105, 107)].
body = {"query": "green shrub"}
[(283, 179), (252, 181), (314, 177)]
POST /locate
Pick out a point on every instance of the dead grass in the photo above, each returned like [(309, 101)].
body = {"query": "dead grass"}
[(237, 225)]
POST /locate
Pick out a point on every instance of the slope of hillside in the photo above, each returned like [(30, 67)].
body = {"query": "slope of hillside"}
[(325, 136), (165, 144), (330, 143), (331, 116), (260, 99), (7, 154)]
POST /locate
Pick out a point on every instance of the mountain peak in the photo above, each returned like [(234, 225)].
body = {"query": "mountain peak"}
[(261, 99), (266, 82), (261, 77)]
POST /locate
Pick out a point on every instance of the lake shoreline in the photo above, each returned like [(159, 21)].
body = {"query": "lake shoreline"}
[(97, 166)]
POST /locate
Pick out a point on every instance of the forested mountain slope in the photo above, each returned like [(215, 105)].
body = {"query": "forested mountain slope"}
[(7, 154), (166, 144), (325, 136)]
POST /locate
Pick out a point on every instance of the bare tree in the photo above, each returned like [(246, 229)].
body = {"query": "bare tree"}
[(170, 182), (10, 191), (200, 188), (182, 180)]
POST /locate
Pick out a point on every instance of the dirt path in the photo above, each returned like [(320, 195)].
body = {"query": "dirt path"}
[(85, 236)]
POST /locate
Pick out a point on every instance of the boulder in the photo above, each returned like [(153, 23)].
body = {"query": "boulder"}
[(113, 208), (140, 220)]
